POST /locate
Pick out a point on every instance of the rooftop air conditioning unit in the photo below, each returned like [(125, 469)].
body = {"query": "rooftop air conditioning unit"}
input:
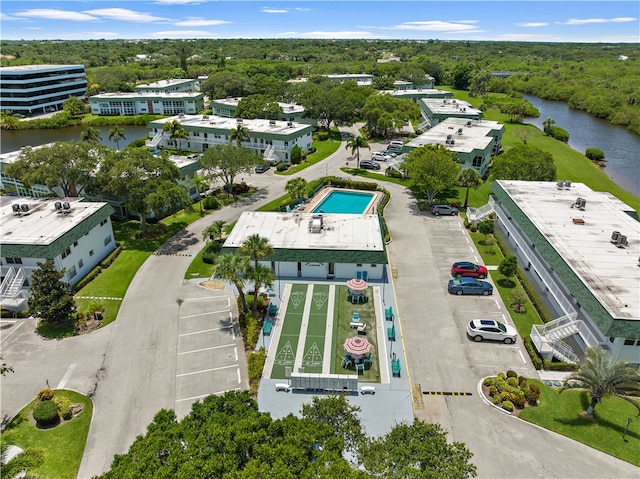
[(238, 120), (290, 124), (622, 241), (58, 206), (205, 117), (16, 208), (567, 184), (24, 208), (614, 236), (459, 131), (560, 184), (272, 122)]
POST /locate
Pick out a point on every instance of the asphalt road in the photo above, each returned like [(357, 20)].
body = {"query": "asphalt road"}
[(141, 362)]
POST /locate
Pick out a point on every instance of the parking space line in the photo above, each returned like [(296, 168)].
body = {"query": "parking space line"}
[(67, 375), (239, 378), (235, 350), (205, 331), (208, 349), (207, 298), (497, 304), (233, 330), (205, 395), (206, 370), (524, 361), (9, 335), (203, 314)]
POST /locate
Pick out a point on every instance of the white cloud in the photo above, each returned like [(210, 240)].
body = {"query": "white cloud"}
[(586, 21), (178, 2), (183, 34), (344, 34), (125, 15), (439, 26), (6, 18), (274, 10), (532, 24), (54, 14), (200, 22), (300, 9)]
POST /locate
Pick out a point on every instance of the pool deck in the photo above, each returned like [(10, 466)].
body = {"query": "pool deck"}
[(372, 207)]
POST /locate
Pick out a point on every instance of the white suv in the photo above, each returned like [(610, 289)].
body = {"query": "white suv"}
[(379, 156)]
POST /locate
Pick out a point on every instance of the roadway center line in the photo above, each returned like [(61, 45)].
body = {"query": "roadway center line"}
[(207, 349), (206, 370), (204, 331), (65, 378), (204, 314)]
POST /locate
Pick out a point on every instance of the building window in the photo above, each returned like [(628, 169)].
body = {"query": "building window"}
[(80, 264), (75, 244), (14, 260), (91, 253), (107, 240), (374, 265), (72, 272), (359, 265), (630, 341), (66, 253)]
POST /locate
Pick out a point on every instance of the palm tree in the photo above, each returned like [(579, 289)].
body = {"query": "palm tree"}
[(233, 267), (19, 464), (296, 187), (355, 143), (604, 377), (91, 135), (239, 133), (116, 134), (261, 276), (214, 231), (547, 125), (469, 178), (257, 247), (176, 132), (201, 185)]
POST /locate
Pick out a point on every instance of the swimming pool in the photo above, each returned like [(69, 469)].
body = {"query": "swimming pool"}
[(344, 202)]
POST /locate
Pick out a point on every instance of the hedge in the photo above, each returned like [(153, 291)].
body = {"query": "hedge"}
[(46, 413), (104, 264)]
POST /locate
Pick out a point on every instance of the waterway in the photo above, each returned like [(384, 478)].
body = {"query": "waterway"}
[(15, 139), (620, 146)]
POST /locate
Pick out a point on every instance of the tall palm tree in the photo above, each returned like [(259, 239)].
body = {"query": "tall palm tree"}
[(256, 247), (233, 267), (214, 231), (176, 132), (116, 134), (355, 143), (547, 124), (296, 187), (238, 134), (201, 185), (91, 135), (604, 377), (469, 178), (19, 464), (261, 276)]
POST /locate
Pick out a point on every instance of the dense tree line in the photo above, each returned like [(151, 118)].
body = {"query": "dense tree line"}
[(586, 76)]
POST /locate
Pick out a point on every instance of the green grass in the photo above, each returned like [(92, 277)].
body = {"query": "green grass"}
[(198, 268), (323, 150), (62, 446), (342, 331), (562, 412)]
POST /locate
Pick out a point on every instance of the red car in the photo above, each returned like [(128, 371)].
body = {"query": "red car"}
[(471, 270)]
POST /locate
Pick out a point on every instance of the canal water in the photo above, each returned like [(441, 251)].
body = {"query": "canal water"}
[(620, 146), (15, 139)]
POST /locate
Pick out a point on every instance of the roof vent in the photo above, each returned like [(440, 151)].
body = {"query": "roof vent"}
[(272, 122), (238, 120), (66, 208), (614, 236), (459, 131), (560, 184), (16, 208), (24, 208), (58, 206), (622, 242), (580, 203), (290, 124), (567, 184)]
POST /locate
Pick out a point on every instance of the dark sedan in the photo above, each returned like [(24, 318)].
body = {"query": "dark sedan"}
[(369, 165), (462, 286)]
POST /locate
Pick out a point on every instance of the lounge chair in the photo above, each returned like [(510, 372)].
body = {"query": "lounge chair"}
[(388, 313), (395, 368), (391, 333), (356, 317), (360, 368), (365, 275)]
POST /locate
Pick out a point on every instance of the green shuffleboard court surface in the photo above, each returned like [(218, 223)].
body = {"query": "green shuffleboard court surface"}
[(314, 341)]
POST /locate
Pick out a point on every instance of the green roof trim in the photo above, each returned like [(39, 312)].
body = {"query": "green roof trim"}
[(608, 325), (322, 256)]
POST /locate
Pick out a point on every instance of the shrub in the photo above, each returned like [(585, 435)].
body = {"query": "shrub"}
[(255, 363), (322, 135), (513, 382), (536, 359), (594, 154), (282, 166), (473, 228), (493, 391), (506, 396), (46, 413), (210, 203), (240, 188), (519, 401), (497, 400), (559, 134), (507, 406), (532, 393), (489, 382), (521, 380), (46, 394), (211, 252), (64, 406), (512, 374)]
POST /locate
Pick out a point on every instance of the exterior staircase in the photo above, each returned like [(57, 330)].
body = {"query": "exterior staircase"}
[(155, 141), (269, 154), (548, 337), (476, 215), (13, 295)]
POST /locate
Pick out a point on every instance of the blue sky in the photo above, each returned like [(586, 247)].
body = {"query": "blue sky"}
[(514, 20)]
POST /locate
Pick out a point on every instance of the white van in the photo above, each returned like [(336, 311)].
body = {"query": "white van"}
[(396, 143)]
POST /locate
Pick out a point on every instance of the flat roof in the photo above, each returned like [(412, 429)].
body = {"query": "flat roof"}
[(609, 272), (418, 91), (35, 68), (448, 106), (474, 137), (142, 95), (165, 83), (12, 156), (183, 161), (224, 123), (43, 225), (345, 232), (286, 107)]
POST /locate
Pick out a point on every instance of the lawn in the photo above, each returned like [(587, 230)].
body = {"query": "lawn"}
[(562, 412), (198, 268), (323, 150), (62, 446)]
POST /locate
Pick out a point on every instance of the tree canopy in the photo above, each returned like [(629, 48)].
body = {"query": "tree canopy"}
[(432, 169), (386, 113), (258, 106), (524, 162), (227, 436), (51, 297), (227, 161), (146, 183)]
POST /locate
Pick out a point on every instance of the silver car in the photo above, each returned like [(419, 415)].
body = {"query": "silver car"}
[(481, 329)]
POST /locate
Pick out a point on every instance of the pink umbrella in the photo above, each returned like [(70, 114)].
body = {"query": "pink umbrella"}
[(357, 284), (357, 346)]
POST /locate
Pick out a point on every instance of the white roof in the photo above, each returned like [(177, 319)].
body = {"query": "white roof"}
[(224, 123), (34, 68), (473, 137), (144, 95), (293, 231), (43, 224), (286, 107), (447, 106), (610, 273), (165, 83)]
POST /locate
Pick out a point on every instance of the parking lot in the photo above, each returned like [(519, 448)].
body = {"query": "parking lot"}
[(208, 348)]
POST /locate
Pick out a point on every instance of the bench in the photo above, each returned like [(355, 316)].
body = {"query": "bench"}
[(283, 387), (367, 389), (266, 328), (362, 329), (391, 333), (355, 324)]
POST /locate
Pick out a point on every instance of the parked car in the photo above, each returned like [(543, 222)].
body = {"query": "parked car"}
[(481, 329), (262, 168), (369, 165), (380, 156), (438, 210), (390, 153), (462, 286), (466, 268)]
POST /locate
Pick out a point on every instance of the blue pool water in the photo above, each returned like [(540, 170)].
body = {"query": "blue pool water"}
[(344, 202)]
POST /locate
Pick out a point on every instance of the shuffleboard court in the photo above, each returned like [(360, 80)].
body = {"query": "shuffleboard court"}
[(285, 353), (314, 343)]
